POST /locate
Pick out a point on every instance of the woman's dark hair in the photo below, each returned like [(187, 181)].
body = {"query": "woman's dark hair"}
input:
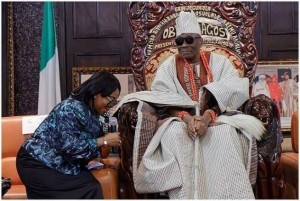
[(102, 82)]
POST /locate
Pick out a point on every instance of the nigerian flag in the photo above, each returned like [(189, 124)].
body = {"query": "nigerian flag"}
[(49, 84)]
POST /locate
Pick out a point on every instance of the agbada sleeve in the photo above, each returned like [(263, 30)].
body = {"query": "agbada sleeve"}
[(166, 79), (230, 90)]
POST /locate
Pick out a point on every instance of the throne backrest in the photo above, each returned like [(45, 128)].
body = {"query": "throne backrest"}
[(226, 27)]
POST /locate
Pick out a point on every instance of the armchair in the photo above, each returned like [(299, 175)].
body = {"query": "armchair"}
[(227, 29), (290, 161)]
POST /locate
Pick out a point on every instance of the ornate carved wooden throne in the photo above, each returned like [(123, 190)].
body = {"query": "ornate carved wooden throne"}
[(228, 29)]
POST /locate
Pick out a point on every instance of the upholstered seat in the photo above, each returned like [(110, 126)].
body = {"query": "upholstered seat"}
[(12, 139), (290, 162)]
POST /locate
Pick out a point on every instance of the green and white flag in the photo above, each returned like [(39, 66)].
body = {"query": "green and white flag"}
[(49, 85)]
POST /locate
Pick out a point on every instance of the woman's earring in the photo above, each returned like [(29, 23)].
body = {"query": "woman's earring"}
[(95, 97)]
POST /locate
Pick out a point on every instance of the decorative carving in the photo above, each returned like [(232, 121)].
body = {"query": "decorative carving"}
[(269, 180), (145, 16), (127, 117)]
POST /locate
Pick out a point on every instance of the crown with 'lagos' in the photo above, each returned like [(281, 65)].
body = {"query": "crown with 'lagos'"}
[(187, 22)]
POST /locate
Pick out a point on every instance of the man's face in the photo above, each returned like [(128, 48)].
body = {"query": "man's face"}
[(189, 51)]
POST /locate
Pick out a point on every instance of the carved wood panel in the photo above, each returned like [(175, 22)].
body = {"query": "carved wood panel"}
[(148, 20)]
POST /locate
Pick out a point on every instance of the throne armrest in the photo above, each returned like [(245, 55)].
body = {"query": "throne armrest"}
[(127, 116), (269, 182)]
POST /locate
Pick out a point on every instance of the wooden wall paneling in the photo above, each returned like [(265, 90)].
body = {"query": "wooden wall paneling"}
[(283, 53), (283, 27), (103, 59), (277, 30), (282, 18), (97, 34), (100, 20), (84, 20)]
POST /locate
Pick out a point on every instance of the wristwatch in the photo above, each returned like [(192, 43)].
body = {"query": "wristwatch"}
[(105, 141)]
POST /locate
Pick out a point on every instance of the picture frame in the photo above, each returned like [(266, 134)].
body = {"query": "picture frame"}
[(279, 81), (124, 74)]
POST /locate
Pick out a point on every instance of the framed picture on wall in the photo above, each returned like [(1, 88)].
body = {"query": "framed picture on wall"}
[(279, 81), (124, 75)]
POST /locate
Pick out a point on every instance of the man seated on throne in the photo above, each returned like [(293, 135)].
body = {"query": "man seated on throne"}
[(190, 139)]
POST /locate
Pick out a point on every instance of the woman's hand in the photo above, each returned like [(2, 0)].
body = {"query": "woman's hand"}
[(113, 139)]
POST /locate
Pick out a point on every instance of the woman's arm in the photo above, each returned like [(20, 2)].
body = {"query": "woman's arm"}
[(77, 129)]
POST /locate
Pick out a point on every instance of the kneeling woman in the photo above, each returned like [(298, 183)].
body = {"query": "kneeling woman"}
[(51, 162)]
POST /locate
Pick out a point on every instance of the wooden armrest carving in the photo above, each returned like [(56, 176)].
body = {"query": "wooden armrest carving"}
[(127, 122), (269, 183)]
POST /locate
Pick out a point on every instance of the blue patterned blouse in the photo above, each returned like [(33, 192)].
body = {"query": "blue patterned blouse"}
[(67, 139)]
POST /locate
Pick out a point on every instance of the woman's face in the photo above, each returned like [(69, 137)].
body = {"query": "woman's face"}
[(103, 104)]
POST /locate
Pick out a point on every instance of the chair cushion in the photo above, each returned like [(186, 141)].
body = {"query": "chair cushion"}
[(9, 170), (16, 192), (108, 179), (12, 135)]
